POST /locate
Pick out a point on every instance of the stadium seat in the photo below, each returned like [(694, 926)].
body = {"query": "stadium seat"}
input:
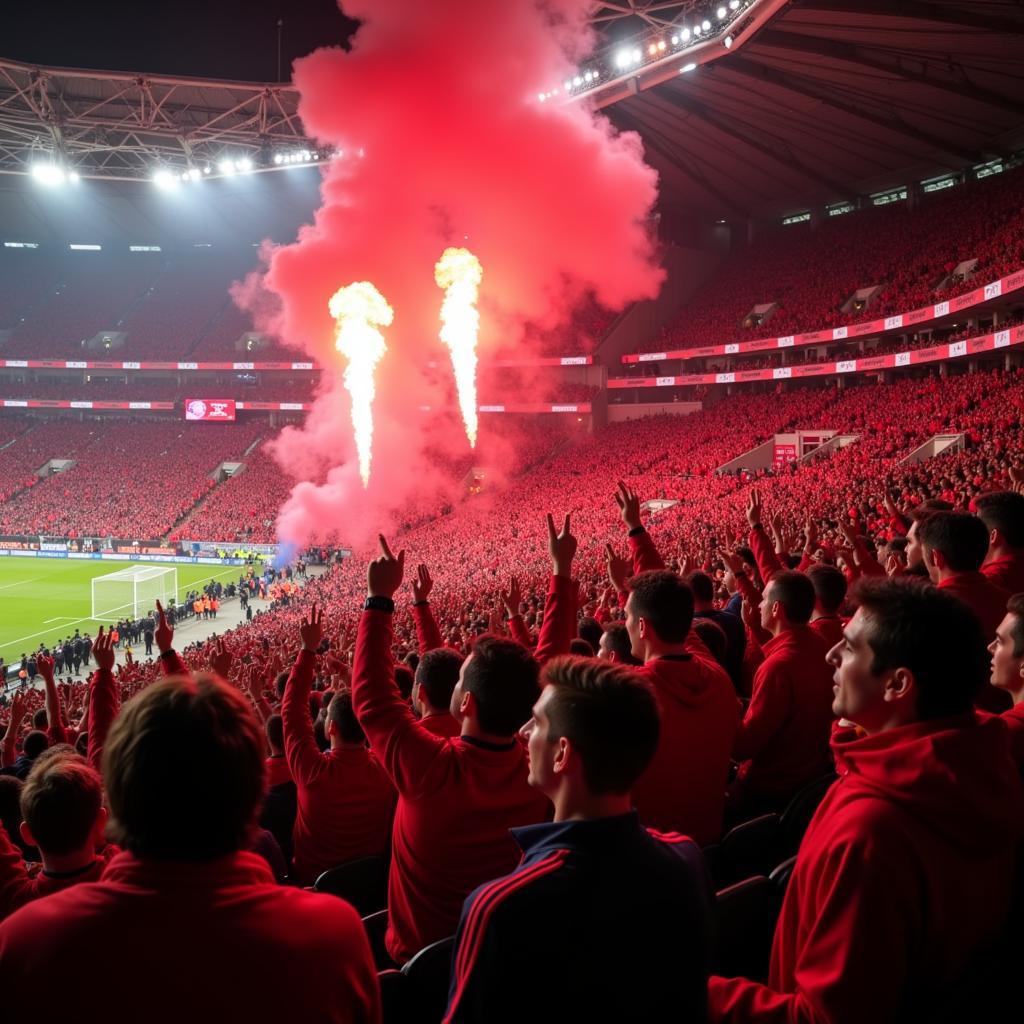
[(750, 848), (782, 874), (428, 973), (745, 915), (376, 925), (797, 816), (364, 883), (394, 996)]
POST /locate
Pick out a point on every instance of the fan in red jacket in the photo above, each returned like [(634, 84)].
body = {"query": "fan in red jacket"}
[(1002, 512), (783, 740), (1007, 650), (345, 798), (187, 924), (905, 874), (954, 545), (457, 797), (696, 698)]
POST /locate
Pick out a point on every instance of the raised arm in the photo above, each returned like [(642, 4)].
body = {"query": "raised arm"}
[(427, 632), (512, 599), (16, 887), (9, 747), (54, 720), (645, 555), (406, 750), (164, 636), (558, 625), (768, 563), (300, 748), (103, 702)]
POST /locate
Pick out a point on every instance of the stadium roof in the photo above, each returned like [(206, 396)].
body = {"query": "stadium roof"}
[(832, 99), (817, 101)]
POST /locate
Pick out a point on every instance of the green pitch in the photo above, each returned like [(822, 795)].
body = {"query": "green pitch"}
[(44, 599)]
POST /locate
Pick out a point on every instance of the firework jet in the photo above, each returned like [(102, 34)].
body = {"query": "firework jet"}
[(441, 100), (358, 310), (459, 273)]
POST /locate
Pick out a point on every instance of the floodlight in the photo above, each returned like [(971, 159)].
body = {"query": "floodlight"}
[(278, 158), (194, 174), (621, 58), (687, 67), (722, 13), (675, 40), (734, 5), (706, 25), (226, 167), (164, 179), (48, 174), (73, 177), (685, 35)]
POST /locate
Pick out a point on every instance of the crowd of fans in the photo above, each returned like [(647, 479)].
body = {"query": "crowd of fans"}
[(905, 252), (270, 387)]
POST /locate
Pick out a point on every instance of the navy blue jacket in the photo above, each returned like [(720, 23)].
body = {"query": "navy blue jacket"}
[(601, 921)]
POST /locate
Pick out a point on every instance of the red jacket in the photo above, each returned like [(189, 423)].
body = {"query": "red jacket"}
[(344, 796), (457, 798), (1014, 719), (905, 871), (783, 740), (18, 886), (170, 942), (444, 725), (830, 629), (698, 726), (1007, 572)]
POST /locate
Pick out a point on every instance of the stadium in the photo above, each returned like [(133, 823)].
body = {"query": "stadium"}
[(512, 512)]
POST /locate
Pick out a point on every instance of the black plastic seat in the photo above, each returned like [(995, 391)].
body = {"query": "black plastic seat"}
[(782, 874), (797, 816), (750, 848), (363, 882), (428, 974), (745, 916), (394, 996)]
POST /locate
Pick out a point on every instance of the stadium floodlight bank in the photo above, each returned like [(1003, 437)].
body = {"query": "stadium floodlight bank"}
[(133, 591)]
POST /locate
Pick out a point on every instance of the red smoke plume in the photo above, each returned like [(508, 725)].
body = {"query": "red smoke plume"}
[(445, 143)]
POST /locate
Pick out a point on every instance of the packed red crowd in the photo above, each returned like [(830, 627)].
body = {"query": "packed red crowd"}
[(907, 252)]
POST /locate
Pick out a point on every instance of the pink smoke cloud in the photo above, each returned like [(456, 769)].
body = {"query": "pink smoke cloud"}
[(440, 100)]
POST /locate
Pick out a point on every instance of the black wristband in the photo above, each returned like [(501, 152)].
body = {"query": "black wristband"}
[(164, 654), (636, 530), (420, 604), (378, 604), (740, 574)]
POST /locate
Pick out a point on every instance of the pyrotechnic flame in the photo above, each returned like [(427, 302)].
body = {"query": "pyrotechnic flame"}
[(459, 273), (358, 310)]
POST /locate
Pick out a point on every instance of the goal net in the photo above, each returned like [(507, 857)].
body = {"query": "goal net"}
[(133, 591)]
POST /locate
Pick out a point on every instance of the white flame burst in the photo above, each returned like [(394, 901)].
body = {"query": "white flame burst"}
[(358, 310), (459, 273)]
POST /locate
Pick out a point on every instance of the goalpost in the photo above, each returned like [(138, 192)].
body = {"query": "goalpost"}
[(133, 591)]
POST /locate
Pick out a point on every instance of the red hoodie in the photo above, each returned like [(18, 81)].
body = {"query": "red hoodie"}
[(1006, 572), (345, 798), (905, 871), (698, 725), (168, 942), (783, 738), (457, 798)]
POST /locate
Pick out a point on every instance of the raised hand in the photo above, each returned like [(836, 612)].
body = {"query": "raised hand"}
[(385, 573), (103, 650), (629, 506), (811, 536), (754, 508), (562, 547), (163, 634), (733, 562), (512, 598), (222, 659), (312, 630), (893, 566), (619, 569), (45, 665), (422, 584)]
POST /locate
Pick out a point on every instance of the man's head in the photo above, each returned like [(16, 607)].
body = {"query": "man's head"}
[(497, 686), (1002, 512), (589, 629), (1007, 649), (829, 588), (62, 805), (918, 516), (183, 766), (910, 653), (659, 612), (274, 728), (703, 590), (404, 680), (342, 725), (35, 743), (788, 601), (39, 720), (593, 731), (436, 677), (953, 542), (616, 646), (714, 638)]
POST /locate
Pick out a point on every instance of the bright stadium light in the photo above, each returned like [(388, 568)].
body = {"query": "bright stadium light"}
[(73, 177), (194, 174), (48, 173), (706, 25), (696, 30), (686, 68), (165, 180), (722, 13), (685, 35), (622, 58), (278, 158), (734, 5), (244, 165), (637, 56), (728, 42), (226, 167)]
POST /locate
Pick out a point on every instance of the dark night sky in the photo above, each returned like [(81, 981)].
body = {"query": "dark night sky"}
[(233, 39)]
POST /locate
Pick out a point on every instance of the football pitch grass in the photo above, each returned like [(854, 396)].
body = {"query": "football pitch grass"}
[(44, 599)]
